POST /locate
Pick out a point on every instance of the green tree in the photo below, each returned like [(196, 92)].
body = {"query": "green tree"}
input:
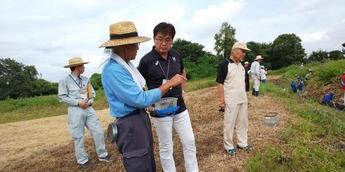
[(287, 49), (16, 79), (197, 62), (263, 49), (190, 50), (43, 87), (224, 40), (336, 55), (318, 56), (96, 81)]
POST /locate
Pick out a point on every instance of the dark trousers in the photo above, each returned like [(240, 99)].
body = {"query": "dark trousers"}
[(135, 142)]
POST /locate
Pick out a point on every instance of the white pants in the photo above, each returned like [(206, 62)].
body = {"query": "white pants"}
[(256, 82), (181, 123), (235, 116)]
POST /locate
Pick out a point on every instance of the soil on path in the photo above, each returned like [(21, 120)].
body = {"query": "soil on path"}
[(45, 144)]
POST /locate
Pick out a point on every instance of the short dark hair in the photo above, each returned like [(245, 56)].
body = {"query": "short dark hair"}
[(73, 68), (164, 28)]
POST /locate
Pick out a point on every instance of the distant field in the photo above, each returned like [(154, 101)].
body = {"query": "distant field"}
[(44, 106)]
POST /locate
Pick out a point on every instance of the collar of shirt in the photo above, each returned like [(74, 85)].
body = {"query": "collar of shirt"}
[(158, 56), (233, 61), (76, 78), (114, 55)]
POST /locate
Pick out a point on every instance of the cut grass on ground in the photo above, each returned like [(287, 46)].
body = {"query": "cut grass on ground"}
[(45, 106)]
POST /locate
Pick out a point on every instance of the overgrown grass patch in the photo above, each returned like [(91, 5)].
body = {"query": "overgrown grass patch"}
[(310, 138)]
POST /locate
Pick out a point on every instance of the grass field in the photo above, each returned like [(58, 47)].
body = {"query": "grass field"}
[(313, 140), (44, 106)]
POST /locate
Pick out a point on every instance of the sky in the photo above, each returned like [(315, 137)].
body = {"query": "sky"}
[(47, 33)]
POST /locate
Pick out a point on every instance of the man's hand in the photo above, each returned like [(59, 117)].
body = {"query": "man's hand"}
[(177, 80), (150, 109), (173, 82), (83, 104)]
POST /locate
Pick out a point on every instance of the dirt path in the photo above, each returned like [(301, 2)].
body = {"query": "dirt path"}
[(45, 144)]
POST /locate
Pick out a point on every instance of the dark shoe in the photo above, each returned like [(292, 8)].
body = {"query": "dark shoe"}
[(248, 148), (107, 158), (232, 152), (86, 165)]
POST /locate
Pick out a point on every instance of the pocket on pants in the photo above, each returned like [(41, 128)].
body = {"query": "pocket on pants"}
[(137, 160)]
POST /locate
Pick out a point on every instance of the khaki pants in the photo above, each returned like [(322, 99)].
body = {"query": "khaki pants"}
[(235, 117)]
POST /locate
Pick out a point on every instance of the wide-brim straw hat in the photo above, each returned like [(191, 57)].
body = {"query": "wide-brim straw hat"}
[(123, 33), (75, 61), (259, 57), (240, 45)]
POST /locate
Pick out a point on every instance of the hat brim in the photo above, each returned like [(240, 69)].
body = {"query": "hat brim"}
[(124, 41), (77, 64), (259, 58), (246, 49)]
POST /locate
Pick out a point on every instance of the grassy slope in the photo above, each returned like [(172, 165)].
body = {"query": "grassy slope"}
[(45, 106), (314, 134), (326, 77)]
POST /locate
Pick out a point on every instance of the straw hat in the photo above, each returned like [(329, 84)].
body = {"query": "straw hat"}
[(240, 45), (123, 33), (246, 62), (75, 61), (259, 57)]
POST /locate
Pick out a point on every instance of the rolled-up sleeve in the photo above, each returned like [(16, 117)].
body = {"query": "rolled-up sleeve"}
[(63, 95), (121, 84)]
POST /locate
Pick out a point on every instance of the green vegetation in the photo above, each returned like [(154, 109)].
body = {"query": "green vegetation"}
[(18, 81), (325, 77), (224, 39), (200, 84), (13, 110), (314, 136), (197, 62), (311, 138)]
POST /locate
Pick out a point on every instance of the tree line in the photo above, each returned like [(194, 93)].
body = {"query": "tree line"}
[(18, 80)]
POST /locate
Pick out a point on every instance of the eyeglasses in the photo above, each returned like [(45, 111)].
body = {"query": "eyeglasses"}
[(166, 40)]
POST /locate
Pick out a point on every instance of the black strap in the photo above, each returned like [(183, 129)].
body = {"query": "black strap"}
[(125, 35), (78, 84)]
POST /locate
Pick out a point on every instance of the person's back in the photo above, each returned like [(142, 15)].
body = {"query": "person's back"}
[(255, 68), (263, 76), (300, 86), (293, 86), (327, 99)]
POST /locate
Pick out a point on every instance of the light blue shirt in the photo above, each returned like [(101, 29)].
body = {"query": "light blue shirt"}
[(72, 88), (123, 94)]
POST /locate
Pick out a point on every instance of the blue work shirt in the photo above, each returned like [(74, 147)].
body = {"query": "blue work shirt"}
[(123, 94)]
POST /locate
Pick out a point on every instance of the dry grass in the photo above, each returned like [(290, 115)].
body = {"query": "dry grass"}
[(45, 144)]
